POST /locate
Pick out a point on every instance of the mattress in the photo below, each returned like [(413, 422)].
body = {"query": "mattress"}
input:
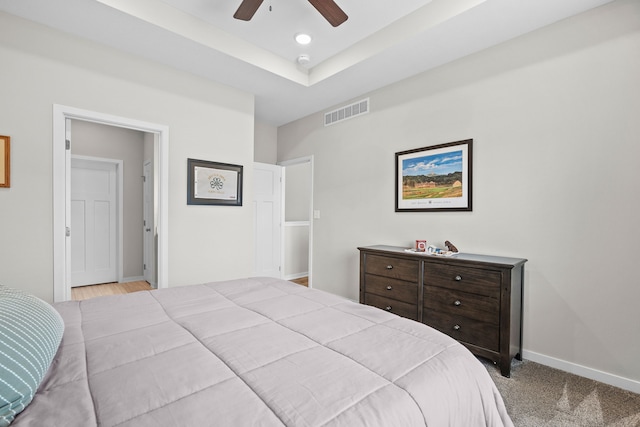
[(256, 352)]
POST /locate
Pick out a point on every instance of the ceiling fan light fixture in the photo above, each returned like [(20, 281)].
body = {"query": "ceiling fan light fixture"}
[(303, 39)]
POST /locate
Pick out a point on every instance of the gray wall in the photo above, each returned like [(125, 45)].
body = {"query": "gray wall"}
[(206, 121), (296, 232), (297, 187), (265, 143), (97, 140), (554, 118)]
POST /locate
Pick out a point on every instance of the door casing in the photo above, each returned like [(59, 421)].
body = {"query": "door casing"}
[(61, 191), (148, 231)]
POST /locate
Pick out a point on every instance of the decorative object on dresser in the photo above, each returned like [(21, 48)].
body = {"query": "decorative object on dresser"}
[(450, 247), (476, 299)]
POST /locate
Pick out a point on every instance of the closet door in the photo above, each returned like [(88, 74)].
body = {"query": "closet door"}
[(93, 222)]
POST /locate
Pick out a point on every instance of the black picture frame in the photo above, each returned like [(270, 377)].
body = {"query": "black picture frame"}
[(435, 178), (213, 183)]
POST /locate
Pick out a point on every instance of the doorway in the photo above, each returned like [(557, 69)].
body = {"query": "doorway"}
[(298, 219), (62, 115), (108, 165)]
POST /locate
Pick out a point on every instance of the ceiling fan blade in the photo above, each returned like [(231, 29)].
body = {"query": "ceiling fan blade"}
[(247, 9), (330, 10)]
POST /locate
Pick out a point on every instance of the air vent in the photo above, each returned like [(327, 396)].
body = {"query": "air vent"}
[(347, 112)]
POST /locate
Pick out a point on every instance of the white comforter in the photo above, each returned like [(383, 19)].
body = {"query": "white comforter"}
[(256, 352)]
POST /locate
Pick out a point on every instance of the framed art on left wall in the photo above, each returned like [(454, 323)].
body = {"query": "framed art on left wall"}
[(5, 161), (213, 183)]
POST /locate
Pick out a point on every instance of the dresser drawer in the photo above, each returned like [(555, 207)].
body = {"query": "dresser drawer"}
[(395, 268), (403, 309), (468, 279), (481, 334), (391, 288), (469, 305)]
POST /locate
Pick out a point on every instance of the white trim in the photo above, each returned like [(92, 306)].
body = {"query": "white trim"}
[(583, 371), (133, 279), (296, 276), (61, 258), (149, 272), (297, 223), (300, 160), (283, 195), (120, 208)]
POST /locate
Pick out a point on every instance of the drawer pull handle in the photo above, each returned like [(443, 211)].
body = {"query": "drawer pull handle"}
[(457, 302), (389, 267), (456, 327), (389, 287), (458, 278), (388, 308)]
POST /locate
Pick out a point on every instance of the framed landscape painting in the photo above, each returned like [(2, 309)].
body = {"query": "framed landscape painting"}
[(436, 178)]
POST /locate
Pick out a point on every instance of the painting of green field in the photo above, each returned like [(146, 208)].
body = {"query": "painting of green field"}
[(418, 192)]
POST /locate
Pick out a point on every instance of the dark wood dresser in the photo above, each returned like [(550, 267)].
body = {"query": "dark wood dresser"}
[(476, 299)]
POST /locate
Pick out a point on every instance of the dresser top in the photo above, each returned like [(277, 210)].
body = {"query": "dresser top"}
[(486, 259)]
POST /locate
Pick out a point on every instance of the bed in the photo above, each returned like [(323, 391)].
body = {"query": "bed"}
[(252, 352)]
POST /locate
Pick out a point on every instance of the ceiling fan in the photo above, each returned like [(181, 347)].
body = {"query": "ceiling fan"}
[(327, 8)]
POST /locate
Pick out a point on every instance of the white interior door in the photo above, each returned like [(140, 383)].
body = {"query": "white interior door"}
[(267, 206), (93, 222), (148, 230)]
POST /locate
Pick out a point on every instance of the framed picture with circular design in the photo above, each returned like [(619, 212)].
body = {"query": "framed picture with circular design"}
[(213, 183)]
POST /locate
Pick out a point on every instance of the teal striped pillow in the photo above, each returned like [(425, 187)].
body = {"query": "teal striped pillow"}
[(30, 333)]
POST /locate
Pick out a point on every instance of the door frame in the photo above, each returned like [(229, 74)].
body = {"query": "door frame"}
[(291, 162), (61, 194), (148, 244), (119, 208)]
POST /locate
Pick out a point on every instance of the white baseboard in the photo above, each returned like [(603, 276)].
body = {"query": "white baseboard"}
[(583, 371), (296, 276), (132, 279)]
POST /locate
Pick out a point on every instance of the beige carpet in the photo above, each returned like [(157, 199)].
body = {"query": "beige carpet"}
[(537, 395)]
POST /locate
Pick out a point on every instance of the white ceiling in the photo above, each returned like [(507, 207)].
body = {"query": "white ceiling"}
[(382, 42)]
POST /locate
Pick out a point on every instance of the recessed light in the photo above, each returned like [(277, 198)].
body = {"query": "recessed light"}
[(302, 38)]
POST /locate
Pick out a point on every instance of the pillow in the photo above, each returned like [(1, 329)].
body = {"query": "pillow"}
[(30, 333)]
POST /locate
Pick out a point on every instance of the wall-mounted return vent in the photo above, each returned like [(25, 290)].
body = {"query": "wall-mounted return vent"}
[(347, 112)]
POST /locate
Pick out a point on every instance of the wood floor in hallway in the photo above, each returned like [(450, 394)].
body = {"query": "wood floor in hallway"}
[(304, 281), (91, 291)]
